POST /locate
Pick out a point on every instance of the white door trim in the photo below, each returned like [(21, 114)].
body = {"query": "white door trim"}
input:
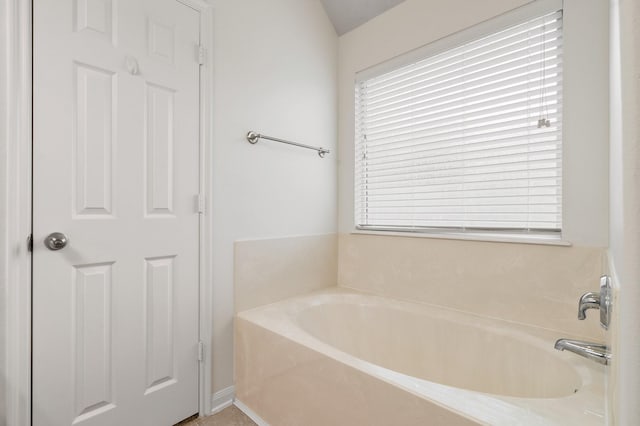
[(206, 224), (16, 211)]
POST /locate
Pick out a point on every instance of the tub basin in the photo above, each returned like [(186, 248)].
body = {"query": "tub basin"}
[(443, 347), (339, 357)]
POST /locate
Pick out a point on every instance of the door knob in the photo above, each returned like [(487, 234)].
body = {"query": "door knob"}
[(56, 241)]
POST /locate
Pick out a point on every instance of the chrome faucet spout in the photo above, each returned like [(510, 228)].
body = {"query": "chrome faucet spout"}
[(594, 351), (589, 300)]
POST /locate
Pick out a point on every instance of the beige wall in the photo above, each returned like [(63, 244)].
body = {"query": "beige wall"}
[(275, 68)]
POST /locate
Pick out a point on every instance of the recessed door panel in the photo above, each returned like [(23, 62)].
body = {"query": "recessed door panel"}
[(160, 150), (161, 40), (93, 362), (96, 16), (159, 322), (95, 108)]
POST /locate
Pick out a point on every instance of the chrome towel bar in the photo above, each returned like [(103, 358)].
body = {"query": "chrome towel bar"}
[(253, 138)]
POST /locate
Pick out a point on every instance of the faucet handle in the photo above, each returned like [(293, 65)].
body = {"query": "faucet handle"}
[(589, 300), (601, 301)]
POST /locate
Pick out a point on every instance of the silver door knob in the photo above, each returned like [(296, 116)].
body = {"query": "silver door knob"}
[(56, 241)]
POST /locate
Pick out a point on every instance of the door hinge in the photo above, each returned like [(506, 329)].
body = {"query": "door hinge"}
[(30, 242), (200, 351), (202, 204), (202, 55)]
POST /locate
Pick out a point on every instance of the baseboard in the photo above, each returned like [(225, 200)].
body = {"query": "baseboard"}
[(222, 399), (250, 413)]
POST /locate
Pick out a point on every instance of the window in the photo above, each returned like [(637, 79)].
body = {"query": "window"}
[(465, 138)]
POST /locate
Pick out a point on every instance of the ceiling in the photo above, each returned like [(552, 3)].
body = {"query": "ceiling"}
[(349, 14)]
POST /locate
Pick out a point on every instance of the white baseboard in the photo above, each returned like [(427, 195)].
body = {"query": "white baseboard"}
[(250, 413), (226, 397), (222, 399)]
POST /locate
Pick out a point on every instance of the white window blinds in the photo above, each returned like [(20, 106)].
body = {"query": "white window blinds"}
[(467, 139)]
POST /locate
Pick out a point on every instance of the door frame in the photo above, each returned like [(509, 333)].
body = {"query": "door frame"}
[(15, 210), (16, 191)]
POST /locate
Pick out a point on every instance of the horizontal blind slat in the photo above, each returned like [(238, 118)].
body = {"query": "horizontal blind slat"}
[(553, 23), (489, 179), (394, 145), (491, 134), (414, 158), (450, 91), (513, 103), (512, 191), (467, 123), (529, 56)]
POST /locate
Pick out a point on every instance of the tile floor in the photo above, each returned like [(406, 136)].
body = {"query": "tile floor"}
[(230, 416)]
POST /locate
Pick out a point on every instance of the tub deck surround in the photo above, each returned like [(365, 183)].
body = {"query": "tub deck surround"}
[(269, 270), (344, 358), (531, 284)]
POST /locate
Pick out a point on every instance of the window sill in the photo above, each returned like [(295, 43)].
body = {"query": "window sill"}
[(474, 236)]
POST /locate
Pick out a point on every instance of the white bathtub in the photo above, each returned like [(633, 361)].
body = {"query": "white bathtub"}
[(343, 358)]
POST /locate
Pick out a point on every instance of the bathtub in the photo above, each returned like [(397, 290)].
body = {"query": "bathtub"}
[(338, 357)]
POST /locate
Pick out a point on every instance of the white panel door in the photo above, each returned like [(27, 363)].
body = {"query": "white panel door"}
[(116, 169)]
